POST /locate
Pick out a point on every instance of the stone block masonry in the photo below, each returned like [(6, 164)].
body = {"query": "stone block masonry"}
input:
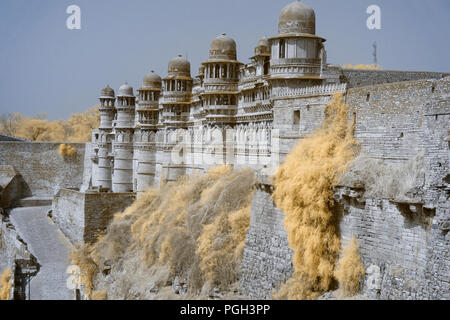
[(266, 263), (363, 78), (404, 246), (83, 216), (43, 169)]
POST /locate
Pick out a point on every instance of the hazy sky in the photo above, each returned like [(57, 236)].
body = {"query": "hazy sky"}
[(47, 68)]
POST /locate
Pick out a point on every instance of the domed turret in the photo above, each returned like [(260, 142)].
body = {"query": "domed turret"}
[(223, 48), (107, 92), (179, 66), (297, 17), (263, 46), (125, 91), (151, 80)]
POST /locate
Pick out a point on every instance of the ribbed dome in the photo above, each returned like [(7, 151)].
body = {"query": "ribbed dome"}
[(151, 80), (297, 17), (107, 92), (179, 66), (125, 91), (223, 47)]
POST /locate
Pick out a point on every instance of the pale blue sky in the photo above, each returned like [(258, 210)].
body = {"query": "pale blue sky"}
[(46, 68)]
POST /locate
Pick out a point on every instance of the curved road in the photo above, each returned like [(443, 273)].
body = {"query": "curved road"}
[(51, 249)]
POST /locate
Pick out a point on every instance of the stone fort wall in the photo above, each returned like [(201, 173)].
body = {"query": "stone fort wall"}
[(41, 166), (83, 216), (404, 246), (363, 78)]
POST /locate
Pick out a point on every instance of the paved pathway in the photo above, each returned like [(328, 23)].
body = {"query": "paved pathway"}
[(51, 249)]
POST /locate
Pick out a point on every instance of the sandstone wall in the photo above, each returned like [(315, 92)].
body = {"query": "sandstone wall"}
[(41, 167), (68, 214), (404, 246), (266, 263), (82, 216), (362, 78), (100, 209)]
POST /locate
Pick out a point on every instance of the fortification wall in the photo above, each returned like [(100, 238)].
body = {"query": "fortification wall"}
[(100, 209), (391, 118), (362, 78), (68, 213), (404, 246), (82, 216), (267, 260), (42, 168)]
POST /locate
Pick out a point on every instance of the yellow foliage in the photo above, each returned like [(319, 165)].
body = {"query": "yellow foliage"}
[(80, 257), (221, 245), (350, 269), (5, 285), (303, 190), (80, 125), (193, 229), (100, 295), (362, 67), (77, 128), (67, 151)]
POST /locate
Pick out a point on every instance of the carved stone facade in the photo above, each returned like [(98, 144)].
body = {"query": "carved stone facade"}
[(230, 113)]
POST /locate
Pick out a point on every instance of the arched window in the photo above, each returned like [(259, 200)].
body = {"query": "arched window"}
[(216, 68), (282, 49)]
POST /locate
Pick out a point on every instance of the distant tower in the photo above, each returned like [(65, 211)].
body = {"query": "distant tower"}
[(107, 113), (177, 94), (298, 60), (221, 76), (375, 60), (122, 180), (262, 57), (145, 133), (175, 108), (296, 56)]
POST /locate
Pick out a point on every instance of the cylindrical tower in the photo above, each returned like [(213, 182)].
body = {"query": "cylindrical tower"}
[(297, 61), (175, 107), (122, 180), (145, 132), (177, 94), (104, 142), (296, 50), (221, 77)]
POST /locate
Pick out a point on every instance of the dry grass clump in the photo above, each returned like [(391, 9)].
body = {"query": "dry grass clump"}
[(5, 284), (303, 190), (362, 67), (384, 180), (80, 257), (77, 128), (350, 270), (67, 151), (193, 229), (100, 295)]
